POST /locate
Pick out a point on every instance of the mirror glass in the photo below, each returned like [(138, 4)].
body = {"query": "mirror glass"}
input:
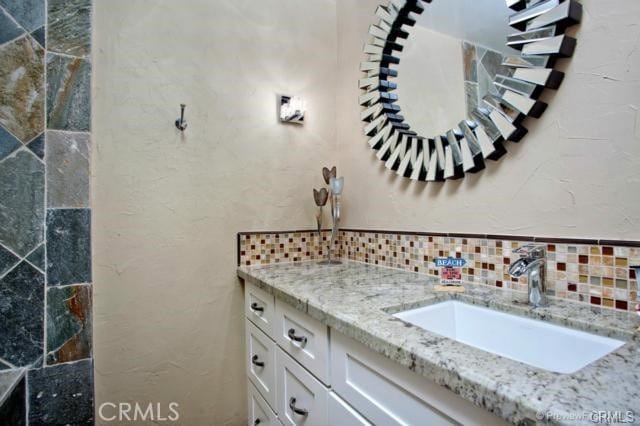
[(450, 60)]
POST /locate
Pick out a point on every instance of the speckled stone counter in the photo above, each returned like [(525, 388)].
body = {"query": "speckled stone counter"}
[(359, 299)]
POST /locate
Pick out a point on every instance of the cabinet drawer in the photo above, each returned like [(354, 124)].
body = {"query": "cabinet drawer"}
[(386, 393), (259, 307), (301, 399), (259, 411), (304, 338), (261, 362), (341, 413)]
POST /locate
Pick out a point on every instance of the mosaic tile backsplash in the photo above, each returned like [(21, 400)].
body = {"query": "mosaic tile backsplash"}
[(585, 271), (265, 248)]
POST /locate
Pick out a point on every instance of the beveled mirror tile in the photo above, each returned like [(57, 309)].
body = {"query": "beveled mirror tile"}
[(525, 61), (487, 145), (22, 88), (68, 93), (487, 125), (22, 315), (378, 32), (455, 148), (495, 103), (68, 323), (386, 14), (68, 161), (433, 169), (471, 139), (22, 199), (518, 39), (418, 171), (28, 13), (561, 45), (547, 77), (63, 392), (519, 86), (507, 129), (567, 13), (523, 104), (373, 50), (8, 28), (68, 246), (518, 20)]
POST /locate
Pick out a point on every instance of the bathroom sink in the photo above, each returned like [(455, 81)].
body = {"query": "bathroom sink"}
[(547, 346)]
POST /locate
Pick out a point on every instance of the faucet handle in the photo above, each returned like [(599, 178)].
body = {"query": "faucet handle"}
[(532, 251)]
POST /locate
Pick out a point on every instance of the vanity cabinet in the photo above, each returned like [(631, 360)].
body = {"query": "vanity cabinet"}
[(261, 365), (341, 413), (259, 308), (259, 411), (301, 397), (387, 393), (301, 372), (305, 339)]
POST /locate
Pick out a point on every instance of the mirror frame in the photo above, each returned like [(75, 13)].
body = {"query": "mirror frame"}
[(541, 38)]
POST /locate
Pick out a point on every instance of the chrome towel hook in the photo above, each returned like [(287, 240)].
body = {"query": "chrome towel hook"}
[(181, 123)]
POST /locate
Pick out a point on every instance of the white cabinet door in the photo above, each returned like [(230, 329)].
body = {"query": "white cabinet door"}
[(304, 338), (387, 393), (341, 413), (261, 362), (260, 414), (302, 399), (259, 307)]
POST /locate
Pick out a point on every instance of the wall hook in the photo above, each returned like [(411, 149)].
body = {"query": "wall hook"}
[(181, 123)]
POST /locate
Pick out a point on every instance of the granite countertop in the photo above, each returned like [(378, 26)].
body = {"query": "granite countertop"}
[(8, 380), (359, 299)]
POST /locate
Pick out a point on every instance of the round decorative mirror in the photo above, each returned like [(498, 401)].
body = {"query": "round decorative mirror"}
[(472, 72)]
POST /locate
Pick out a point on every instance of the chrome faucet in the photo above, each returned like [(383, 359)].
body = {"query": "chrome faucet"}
[(533, 262)]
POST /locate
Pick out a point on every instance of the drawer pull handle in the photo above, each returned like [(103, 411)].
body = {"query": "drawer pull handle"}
[(254, 361), (299, 411), (257, 422), (256, 308), (292, 336)]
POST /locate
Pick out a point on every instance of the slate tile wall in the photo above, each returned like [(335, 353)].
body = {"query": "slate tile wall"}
[(45, 210)]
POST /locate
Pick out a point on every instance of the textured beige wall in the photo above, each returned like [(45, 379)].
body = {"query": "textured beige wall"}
[(168, 310), (576, 174)]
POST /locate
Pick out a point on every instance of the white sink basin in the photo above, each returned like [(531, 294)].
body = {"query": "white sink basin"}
[(536, 343)]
